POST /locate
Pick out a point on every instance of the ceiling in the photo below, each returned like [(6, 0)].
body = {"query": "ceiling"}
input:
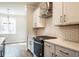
[(17, 8)]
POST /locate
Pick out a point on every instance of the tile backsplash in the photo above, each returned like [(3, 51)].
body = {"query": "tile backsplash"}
[(70, 33)]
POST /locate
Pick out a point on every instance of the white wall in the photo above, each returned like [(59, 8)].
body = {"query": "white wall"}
[(21, 33), (21, 23)]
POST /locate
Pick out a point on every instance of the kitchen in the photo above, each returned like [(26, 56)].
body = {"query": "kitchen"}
[(43, 29), (62, 24)]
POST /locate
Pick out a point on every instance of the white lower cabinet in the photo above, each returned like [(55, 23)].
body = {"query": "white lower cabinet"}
[(52, 50), (31, 45), (64, 52), (48, 50)]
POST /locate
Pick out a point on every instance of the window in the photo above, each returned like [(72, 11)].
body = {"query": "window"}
[(7, 25)]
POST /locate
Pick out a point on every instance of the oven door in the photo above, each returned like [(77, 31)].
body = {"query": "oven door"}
[(38, 49)]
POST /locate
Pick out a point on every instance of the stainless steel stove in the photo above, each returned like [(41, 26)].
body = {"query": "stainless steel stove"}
[(39, 45)]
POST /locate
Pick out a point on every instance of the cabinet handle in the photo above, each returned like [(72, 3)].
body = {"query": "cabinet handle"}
[(64, 52), (60, 19), (47, 45), (64, 18)]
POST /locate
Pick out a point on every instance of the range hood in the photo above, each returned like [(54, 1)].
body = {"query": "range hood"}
[(47, 10)]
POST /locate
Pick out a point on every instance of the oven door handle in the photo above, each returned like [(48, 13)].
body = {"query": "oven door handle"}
[(37, 42)]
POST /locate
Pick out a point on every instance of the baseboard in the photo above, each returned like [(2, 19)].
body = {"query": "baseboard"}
[(15, 42)]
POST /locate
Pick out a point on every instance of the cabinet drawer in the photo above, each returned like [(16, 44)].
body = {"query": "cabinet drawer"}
[(64, 52)]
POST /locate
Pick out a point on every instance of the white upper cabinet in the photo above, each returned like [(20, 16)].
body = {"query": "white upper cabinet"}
[(65, 13), (38, 22), (71, 12), (57, 13)]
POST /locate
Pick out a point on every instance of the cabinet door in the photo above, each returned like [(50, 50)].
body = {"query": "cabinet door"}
[(48, 50), (30, 45), (47, 53), (37, 20), (71, 12), (57, 13)]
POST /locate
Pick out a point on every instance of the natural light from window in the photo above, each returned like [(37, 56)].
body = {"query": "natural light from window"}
[(7, 25)]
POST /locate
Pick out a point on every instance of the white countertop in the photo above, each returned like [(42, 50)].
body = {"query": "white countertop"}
[(2, 39), (66, 44)]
